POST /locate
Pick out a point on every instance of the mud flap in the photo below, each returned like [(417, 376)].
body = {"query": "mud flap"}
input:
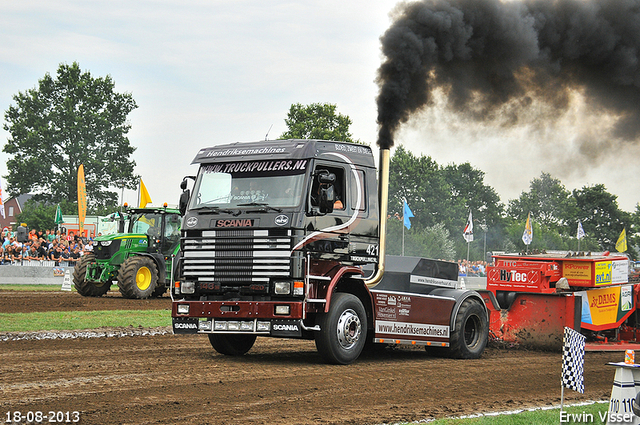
[(186, 325)]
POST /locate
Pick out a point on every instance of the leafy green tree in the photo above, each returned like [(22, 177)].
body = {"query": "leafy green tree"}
[(317, 121), (438, 195), (421, 182), (469, 193), (549, 203), (545, 238), (602, 218), (41, 215), (430, 241), (66, 121), (38, 215)]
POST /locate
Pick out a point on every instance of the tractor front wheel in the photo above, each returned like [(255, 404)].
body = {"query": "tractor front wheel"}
[(138, 277), (82, 285)]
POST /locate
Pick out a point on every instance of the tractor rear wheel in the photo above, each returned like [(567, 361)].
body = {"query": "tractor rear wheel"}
[(82, 285), (469, 339), (232, 344), (138, 277)]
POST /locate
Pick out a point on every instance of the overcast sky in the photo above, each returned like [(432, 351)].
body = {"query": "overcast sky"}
[(211, 72)]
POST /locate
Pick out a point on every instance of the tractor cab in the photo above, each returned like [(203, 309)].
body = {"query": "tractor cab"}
[(138, 258)]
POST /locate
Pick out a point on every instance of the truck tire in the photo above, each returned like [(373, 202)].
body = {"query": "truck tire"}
[(84, 287), (469, 339), (137, 277), (232, 344), (343, 330)]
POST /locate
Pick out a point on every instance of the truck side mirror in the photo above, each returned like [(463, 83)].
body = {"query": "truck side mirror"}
[(184, 197), (325, 193), (184, 200), (327, 198)]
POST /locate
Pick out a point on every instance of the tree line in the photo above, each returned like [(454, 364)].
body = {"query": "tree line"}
[(441, 198), (75, 118)]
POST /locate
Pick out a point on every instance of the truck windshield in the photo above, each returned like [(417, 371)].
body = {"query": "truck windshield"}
[(276, 183)]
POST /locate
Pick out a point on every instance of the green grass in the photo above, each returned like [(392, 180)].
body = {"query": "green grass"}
[(73, 320), (11, 287), (586, 414)]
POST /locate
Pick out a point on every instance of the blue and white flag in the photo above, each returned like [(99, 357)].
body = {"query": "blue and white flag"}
[(573, 360), (467, 234), (407, 214), (581, 233)]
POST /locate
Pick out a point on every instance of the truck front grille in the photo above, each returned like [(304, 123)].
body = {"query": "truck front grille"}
[(236, 257)]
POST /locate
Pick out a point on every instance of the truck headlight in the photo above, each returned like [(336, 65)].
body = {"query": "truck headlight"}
[(188, 287), (263, 326), (183, 308), (205, 325), (282, 288), (105, 243), (283, 310)]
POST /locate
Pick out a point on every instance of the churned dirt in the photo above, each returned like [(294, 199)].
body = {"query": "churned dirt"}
[(161, 378)]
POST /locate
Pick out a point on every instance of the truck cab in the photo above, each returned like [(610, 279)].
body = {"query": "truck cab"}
[(276, 240)]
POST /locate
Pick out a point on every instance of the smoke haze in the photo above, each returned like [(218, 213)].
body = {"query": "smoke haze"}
[(516, 65)]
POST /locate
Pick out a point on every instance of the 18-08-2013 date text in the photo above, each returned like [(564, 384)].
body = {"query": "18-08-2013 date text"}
[(41, 417)]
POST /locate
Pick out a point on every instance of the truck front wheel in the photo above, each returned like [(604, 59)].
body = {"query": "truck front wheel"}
[(232, 344), (343, 330), (82, 285), (137, 277), (469, 339)]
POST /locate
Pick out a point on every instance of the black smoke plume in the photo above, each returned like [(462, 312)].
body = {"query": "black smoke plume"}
[(485, 54)]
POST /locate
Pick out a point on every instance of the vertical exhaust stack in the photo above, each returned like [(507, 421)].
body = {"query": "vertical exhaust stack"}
[(383, 194)]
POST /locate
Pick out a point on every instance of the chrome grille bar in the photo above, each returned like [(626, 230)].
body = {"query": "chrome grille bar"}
[(236, 256)]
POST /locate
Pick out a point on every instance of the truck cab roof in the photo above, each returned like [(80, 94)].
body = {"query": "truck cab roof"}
[(284, 149)]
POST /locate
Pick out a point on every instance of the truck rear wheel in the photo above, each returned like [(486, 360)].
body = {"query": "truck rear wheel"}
[(469, 339), (343, 330), (137, 277), (82, 285), (232, 344)]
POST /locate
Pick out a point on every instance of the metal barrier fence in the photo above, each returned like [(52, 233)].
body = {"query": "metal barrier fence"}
[(37, 263), (35, 272)]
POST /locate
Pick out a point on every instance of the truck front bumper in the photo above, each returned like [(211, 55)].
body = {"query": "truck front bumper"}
[(269, 318)]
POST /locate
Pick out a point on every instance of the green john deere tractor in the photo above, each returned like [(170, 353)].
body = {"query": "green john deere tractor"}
[(138, 257)]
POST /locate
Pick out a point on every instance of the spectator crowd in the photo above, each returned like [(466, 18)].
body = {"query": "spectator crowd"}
[(472, 268), (51, 245)]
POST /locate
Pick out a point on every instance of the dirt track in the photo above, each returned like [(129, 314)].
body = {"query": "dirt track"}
[(169, 379)]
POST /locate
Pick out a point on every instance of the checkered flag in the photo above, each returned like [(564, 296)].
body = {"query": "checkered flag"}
[(573, 360)]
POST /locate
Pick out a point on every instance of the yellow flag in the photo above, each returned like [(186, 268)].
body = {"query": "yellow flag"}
[(527, 236), (82, 198), (621, 245), (144, 195)]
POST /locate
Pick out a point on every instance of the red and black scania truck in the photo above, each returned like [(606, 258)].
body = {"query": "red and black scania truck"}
[(286, 239)]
